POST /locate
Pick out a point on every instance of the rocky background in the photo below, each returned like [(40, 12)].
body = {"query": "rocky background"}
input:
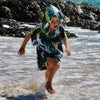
[(12, 12)]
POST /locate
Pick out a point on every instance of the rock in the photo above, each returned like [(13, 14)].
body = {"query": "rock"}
[(83, 15), (10, 27), (5, 12), (99, 29), (90, 25), (77, 15), (71, 35)]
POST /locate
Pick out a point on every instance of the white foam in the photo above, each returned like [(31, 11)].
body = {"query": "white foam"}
[(6, 26), (91, 44), (27, 25), (2, 98), (78, 29)]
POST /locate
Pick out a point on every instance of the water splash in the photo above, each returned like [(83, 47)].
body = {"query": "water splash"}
[(32, 86)]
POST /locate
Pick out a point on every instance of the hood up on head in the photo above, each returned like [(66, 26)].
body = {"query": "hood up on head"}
[(49, 13)]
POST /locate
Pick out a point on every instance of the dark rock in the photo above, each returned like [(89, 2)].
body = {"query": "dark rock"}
[(77, 15), (90, 25), (71, 35), (5, 12), (0, 23), (13, 28), (83, 15), (99, 29)]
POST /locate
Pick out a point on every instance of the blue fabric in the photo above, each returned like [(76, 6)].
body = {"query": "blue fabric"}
[(52, 10)]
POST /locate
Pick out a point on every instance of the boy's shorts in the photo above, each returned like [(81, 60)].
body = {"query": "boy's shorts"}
[(42, 58)]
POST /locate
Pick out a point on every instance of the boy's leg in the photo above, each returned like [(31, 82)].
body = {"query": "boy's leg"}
[(47, 71), (52, 68)]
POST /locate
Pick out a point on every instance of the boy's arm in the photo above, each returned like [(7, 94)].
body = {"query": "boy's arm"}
[(22, 49), (66, 43)]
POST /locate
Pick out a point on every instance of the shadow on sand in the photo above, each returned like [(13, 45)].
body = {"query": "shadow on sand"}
[(36, 96)]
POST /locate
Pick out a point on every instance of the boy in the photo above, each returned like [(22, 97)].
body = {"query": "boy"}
[(48, 39)]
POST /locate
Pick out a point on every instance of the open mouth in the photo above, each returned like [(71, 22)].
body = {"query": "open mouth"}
[(55, 26)]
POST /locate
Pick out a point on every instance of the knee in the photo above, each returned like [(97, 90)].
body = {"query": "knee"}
[(48, 66), (57, 66)]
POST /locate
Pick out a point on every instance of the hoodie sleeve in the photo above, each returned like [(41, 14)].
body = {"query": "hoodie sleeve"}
[(34, 35), (63, 33)]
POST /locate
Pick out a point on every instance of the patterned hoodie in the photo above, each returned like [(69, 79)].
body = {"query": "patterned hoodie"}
[(48, 45)]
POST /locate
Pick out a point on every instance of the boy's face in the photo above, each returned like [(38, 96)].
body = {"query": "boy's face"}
[(54, 23)]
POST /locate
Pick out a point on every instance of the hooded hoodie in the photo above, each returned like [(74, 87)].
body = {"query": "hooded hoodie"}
[(48, 45), (49, 13)]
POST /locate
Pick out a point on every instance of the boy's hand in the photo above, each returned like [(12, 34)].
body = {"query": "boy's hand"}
[(68, 52), (21, 51)]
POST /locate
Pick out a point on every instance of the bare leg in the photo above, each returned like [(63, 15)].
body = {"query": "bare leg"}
[(52, 68), (47, 71)]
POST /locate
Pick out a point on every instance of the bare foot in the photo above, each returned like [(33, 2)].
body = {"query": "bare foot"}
[(50, 89)]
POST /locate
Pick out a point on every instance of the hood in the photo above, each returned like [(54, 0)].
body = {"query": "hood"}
[(50, 12)]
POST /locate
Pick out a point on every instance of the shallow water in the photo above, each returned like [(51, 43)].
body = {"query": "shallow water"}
[(77, 79)]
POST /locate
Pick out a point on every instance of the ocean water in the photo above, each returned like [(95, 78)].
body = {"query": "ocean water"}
[(77, 79), (95, 3)]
